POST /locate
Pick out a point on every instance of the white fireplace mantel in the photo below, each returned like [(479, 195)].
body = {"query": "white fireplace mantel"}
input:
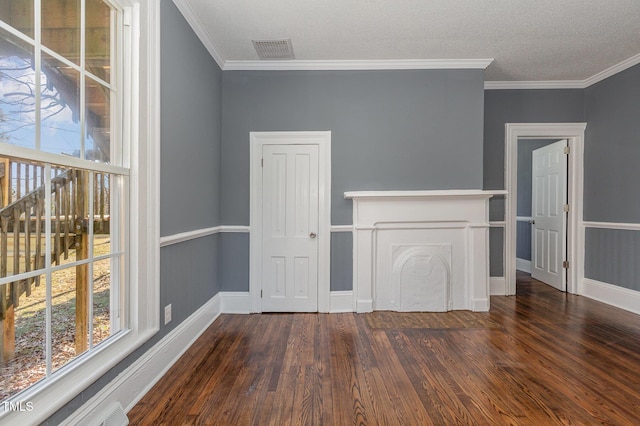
[(421, 250)]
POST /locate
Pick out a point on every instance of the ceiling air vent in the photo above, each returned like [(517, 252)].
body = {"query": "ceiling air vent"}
[(274, 49)]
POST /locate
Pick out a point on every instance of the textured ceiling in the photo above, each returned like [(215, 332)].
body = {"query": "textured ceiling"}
[(534, 40)]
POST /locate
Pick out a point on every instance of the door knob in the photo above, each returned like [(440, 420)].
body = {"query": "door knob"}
[(312, 235), (532, 221)]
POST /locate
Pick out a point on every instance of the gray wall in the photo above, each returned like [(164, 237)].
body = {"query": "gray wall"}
[(612, 150), (390, 129), (518, 106), (190, 182)]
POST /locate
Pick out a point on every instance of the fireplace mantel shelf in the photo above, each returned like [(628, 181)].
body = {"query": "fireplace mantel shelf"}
[(442, 193)]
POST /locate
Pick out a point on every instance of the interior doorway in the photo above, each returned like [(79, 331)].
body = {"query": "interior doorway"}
[(541, 241), (574, 134), (290, 175)]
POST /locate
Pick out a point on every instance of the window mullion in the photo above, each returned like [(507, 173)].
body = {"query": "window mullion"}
[(47, 245), (37, 19), (91, 218), (82, 78)]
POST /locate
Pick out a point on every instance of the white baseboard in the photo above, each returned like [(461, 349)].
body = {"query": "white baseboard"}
[(364, 305), (523, 265), (137, 379), (341, 301), (620, 297), (235, 302), (480, 305), (497, 286)]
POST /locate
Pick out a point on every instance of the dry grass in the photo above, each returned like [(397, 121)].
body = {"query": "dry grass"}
[(29, 366)]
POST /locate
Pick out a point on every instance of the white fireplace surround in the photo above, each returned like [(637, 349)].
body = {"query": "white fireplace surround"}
[(421, 250)]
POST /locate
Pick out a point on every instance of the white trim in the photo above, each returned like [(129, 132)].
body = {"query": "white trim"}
[(134, 382), (565, 84), (627, 63), (574, 133), (523, 265), (435, 194), (524, 218), (520, 85), (323, 140), (453, 218), (613, 225), (144, 293), (235, 229), (235, 302), (497, 286), (341, 301), (193, 19), (189, 235), (358, 65), (199, 233), (7, 149), (619, 297), (497, 224), (341, 228)]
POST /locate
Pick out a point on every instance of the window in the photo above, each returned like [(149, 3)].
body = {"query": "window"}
[(78, 169)]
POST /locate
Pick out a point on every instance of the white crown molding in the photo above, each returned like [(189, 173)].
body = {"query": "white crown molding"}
[(519, 85), (198, 27), (627, 63), (357, 65), (215, 51), (565, 84)]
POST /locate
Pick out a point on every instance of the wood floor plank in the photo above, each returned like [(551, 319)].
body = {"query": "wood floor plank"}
[(552, 359)]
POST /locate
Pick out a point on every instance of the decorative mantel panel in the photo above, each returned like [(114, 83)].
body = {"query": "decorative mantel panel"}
[(421, 250)]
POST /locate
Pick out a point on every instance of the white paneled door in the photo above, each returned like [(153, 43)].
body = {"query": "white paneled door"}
[(549, 191), (290, 188)]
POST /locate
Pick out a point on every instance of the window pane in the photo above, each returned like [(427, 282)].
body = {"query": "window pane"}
[(98, 39), (18, 14), (22, 221), (69, 315), (60, 108), (61, 27), (101, 214), (69, 215), (23, 338), (17, 92), (98, 122)]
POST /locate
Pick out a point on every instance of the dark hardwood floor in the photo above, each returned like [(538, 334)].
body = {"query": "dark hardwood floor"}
[(540, 358)]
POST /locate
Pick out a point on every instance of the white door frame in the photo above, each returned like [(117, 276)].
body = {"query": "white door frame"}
[(574, 133), (257, 141)]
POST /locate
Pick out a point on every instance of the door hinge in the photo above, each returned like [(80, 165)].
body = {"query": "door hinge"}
[(262, 162), (260, 294), (565, 264), (566, 208), (567, 149)]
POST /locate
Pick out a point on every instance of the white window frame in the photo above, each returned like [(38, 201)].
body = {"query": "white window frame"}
[(141, 138)]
